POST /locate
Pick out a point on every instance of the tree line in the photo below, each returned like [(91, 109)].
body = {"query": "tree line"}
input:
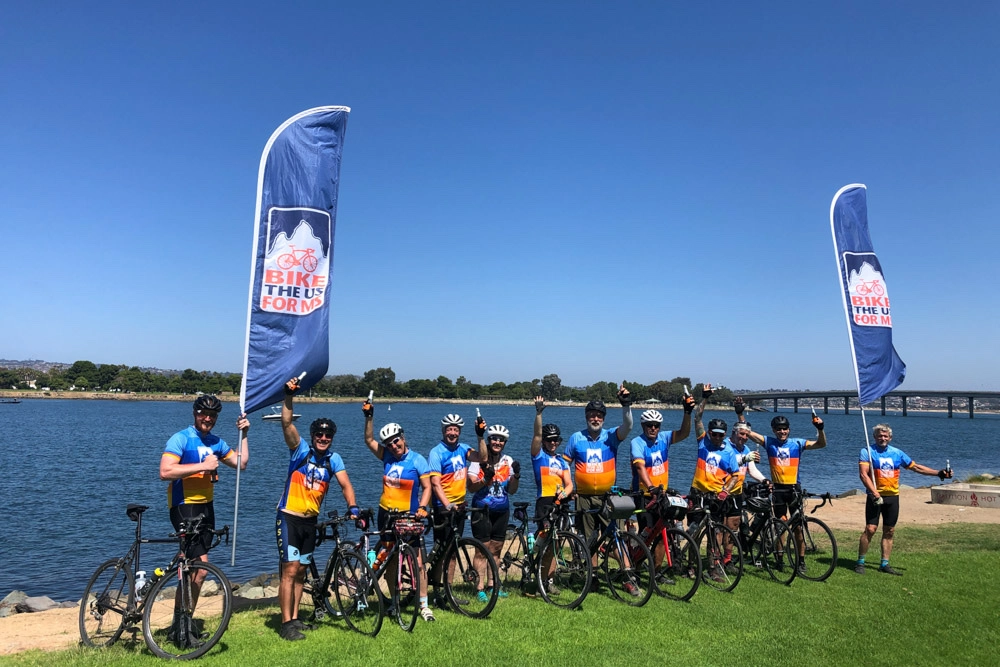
[(85, 375)]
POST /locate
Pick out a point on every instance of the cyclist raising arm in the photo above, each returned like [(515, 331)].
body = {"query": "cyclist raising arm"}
[(553, 480)]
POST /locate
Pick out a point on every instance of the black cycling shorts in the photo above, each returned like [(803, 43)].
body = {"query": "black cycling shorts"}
[(733, 505), (783, 497), (296, 537), (442, 526), (490, 526), (888, 510), (200, 545)]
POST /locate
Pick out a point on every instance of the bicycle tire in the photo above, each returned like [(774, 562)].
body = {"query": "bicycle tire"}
[(820, 550), (310, 263), (567, 583), (678, 574), (214, 606), (515, 563), (463, 581), (628, 569), (358, 599), (107, 603), (715, 571), (406, 596), (779, 551), (286, 261)]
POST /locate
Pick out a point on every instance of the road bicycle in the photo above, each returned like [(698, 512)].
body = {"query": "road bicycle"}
[(306, 258), (766, 540), (818, 546), (347, 580), (395, 564), (467, 569), (677, 567), (165, 603), (718, 546), (556, 564)]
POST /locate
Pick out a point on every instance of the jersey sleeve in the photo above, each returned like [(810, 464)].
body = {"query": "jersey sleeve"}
[(863, 457), (337, 463), (175, 446), (905, 460), (434, 462), (475, 472), (421, 466), (638, 450)]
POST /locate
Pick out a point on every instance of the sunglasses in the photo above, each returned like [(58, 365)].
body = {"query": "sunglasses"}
[(555, 440), (497, 438), (781, 428), (207, 413), (650, 425), (324, 434), (394, 441)]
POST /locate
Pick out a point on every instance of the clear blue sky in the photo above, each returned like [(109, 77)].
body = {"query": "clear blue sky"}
[(599, 190)]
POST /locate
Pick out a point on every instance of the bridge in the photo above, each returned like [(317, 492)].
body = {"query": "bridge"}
[(849, 395)]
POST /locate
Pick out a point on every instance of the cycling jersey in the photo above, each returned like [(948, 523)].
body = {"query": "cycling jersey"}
[(449, 465), (548, 473), (593, 460), (308, 480), (654, 456), (401, 481), (192, 446), (888, 461), (714, 467), (784, 459), (493, 495), (743, 467)]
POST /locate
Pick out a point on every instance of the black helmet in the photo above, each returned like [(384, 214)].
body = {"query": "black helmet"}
[(780, 420), (717, 424), (596, 405), (208, 402), (551, 431), (322, 424)]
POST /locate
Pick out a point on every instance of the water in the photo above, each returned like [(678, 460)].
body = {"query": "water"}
[(70, 467)]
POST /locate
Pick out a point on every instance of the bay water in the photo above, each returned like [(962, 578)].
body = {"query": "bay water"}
[(69, 468)]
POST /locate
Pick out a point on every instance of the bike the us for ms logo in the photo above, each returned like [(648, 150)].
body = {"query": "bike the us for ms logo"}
[(868, 296), (296, 264)]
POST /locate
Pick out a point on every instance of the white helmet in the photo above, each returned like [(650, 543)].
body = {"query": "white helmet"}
[(389, 431), (498, 431), (451, 420), (651, 417)]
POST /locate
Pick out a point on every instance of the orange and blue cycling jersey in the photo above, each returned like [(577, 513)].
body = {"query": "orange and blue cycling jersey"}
[(784, 459), (192, 446), (548, 473), (493, 496), (714, 467), (308, 480), (744, 467), (888, 461), (450, 466), (401, 481), (593, 460), (654, 456)]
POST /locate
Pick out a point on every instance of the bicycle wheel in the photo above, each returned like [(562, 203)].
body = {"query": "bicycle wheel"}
[(406, 596), (820, 557), (779, 551), (513, 563), (106, 604), (564, 570), (358, 600), (628, 569), (716, 571), (678, 572), (168, 620), (469, 569)]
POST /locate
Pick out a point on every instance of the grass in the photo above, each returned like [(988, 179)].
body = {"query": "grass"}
[(983, 479), (940, 612)]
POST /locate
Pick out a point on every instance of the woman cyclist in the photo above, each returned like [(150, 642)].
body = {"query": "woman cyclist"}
[(491, 483)]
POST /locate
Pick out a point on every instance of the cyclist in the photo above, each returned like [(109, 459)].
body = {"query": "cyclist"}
[(449, 472), (883, 492), (312, 467), (190, 462), (748, 460), (783, 454), (650, 455), (491, 482), (406, 487), (553, 480)]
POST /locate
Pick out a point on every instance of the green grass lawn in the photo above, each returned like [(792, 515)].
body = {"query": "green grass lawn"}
[(942, 611)]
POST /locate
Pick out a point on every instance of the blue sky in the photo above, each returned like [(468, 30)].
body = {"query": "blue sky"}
[(597, 190)]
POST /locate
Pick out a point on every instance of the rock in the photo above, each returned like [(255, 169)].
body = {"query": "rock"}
[(270, 591), (987, 475), (210, 587), (851, 492), (40, 603), (252, 592), (14, 597), (69, 604)]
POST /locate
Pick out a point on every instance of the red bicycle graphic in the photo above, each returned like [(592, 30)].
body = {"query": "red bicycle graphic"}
[(861, 287), (306, 258)]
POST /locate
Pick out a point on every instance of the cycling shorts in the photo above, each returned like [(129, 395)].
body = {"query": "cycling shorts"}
[(783, 497), (442, 526), (490, 526), (888, 510), (296, 537), (200, 545)]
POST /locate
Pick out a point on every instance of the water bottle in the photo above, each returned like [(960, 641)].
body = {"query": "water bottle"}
[(531, 541), (371, 558), (947, 465), (140, 584)]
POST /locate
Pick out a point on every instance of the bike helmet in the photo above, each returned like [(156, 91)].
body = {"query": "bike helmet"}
[(717, 426), (498, 431), (551, 431), (208, 402), (741, 426), (596, 405), (390, 431), (651, 417), (322, 424), (780, 420), (451, 420)]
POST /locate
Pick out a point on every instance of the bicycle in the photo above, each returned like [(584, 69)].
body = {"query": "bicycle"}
[(767, 540), (306, 258), (676, 567), (347, 578), (624, 559), (396, 548), (111, 603), (818, 546), (719, 569), (467, 569), (557, 565)]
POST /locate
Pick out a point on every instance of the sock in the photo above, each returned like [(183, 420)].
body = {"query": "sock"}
[(861, 561), (885, 561), (423, 601)]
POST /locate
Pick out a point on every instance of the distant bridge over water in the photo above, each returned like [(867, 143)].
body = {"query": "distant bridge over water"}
[(847, 396)]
